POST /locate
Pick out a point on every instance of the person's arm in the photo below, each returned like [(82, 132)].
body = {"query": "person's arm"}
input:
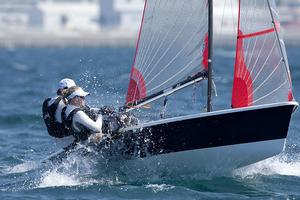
[(94, 126)]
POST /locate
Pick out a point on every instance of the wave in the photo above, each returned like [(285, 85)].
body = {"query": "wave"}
[(15, 119), (21, 168), (283, 164)]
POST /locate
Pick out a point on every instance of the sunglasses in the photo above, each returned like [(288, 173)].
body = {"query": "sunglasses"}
[(81, 97)]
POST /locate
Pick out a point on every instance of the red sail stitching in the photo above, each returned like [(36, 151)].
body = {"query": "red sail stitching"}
[(242, 91)]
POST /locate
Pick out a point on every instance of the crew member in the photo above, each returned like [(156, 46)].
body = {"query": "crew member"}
[(52, 110), (78, 121)]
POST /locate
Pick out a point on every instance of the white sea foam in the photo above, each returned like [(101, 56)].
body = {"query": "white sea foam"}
[(21, 168), (159, 187), (278, 165), (53, 178), (75, 170), (56, 179)]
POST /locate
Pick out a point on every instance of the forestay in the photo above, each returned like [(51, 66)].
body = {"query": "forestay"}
[(172, 46), (261, 67)]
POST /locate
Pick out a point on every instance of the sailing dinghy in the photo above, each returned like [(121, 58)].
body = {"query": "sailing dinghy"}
[(175, 50)]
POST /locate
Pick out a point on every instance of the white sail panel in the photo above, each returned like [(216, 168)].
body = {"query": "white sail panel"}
[(261, 68), (171, 46)]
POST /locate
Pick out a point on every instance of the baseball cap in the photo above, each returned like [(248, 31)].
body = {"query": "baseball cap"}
[(66, 83), (79, 92)]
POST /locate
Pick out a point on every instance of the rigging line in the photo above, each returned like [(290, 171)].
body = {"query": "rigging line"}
[(144, 51), (170, 45), (287, 63), (267, 78), (276, 12), (173, 59), (185, 67), (263, 66), (144, 41), (153, 45), (137, 46), (272, 92), (161, 44), (140, 33), (279, 43), (258, 56)]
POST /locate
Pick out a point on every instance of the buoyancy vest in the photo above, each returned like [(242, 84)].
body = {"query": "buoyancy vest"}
[(55, 129), (84, 132)]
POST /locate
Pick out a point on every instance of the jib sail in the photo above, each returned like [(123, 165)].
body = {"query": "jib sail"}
[(261, 73)]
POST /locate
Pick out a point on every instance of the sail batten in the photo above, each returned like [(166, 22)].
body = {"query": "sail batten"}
[(258, 33), (261, 73), (171, 47)]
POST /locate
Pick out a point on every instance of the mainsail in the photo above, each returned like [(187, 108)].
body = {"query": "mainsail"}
[(172, 46), (261, 73)]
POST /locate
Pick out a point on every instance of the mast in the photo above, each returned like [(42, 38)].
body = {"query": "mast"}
[(210, 53)]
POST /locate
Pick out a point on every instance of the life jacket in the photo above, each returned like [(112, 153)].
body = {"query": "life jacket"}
[(84, 132), (55, 129)]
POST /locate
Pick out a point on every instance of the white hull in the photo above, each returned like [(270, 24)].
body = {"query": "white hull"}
[(209, 160)]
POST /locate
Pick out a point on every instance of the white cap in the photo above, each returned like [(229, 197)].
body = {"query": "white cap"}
[(66, 83), (79, 92)]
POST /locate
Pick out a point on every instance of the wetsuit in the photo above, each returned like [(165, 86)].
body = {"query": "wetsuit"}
[(80, 124)]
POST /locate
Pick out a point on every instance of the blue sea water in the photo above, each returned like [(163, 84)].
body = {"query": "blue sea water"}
[(29, 75)]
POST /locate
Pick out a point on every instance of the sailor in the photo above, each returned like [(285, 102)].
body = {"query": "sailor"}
[(77, 118), (52, 109)]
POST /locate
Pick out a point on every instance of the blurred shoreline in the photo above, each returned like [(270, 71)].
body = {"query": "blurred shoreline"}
[(36, 38)]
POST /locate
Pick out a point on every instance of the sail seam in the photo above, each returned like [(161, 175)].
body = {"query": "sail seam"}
[(184, 68), (267, 59), (267, 77), (272, 92), (148, 64), (172, 60), (170, 45)]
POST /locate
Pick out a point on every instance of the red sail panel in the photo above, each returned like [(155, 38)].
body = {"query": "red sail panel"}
[(137, 86), (290, 95), (205, 53), (242, 95)]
